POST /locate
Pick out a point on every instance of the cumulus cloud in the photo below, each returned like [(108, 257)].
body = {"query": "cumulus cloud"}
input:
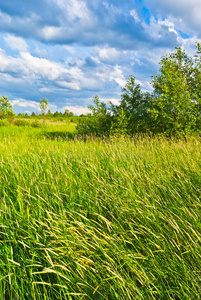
[(25, 103), (16, 43), (184, 13), (77, 110), (81, 22)]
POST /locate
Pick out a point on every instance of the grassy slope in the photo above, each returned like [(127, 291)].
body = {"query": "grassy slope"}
[(98, 220)]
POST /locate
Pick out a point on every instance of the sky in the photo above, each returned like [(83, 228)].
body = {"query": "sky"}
[(71, 50)]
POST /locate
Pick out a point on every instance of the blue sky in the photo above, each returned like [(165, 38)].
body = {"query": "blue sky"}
[(70, 50)]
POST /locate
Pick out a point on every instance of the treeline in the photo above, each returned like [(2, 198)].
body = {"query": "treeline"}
[(173, 108), (48, 115)]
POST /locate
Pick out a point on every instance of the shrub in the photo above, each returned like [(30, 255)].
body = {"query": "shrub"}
[(37, 124), (4, 123), (98, 123), (21, 123)]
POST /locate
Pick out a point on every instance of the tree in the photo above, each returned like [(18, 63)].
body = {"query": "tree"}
[(136, 105), (67, 113), (174, 106), (43, 105), (6, 110)]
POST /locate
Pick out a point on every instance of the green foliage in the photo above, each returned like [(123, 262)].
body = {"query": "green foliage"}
[(120, 123), (136, 104), (6, 111), (174, 108), (37, 124), (98, 123), (20, 122), (43, 105), (4, 122), (67, 113)]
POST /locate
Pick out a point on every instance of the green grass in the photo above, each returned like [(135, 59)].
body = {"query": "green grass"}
[(94, 219)]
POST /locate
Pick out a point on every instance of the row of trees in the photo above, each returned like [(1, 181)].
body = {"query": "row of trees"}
[(174, 107), (48, 115), (6, 110)]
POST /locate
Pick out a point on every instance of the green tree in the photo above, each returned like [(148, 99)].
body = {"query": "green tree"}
[(6, 110), (43, 107), (174, 107), (67, 113), (136, 105)]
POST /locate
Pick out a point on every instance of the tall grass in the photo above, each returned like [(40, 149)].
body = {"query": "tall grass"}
[(94, 219)]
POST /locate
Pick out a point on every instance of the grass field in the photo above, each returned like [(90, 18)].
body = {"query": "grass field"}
[(94, 219)]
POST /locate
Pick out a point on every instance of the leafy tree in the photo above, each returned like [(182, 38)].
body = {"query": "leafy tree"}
[(67, 113), (43, 105), (6, 110), (174, 107), (135, 104)]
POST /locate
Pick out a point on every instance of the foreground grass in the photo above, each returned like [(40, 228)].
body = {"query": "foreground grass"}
[(115, 219)]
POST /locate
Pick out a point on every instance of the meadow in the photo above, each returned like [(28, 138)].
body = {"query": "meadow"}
[(98, 219)]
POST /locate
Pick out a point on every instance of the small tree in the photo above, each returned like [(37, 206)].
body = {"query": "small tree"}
[(43, 106), (6, 110), (67, 113)]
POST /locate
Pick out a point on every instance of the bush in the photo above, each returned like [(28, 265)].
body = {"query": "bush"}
[(21, 123), (4, 123), (37, 124), (98, 123)]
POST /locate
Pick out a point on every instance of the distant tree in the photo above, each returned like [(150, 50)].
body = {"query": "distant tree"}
[(33, 114), (56, 114), (67, 113), (43, 105), (6, 110)]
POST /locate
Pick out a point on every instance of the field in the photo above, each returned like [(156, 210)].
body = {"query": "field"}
[(98, 219)]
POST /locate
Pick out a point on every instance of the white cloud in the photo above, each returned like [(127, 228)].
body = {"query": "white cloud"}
[(43, 53), (25, 103), (185, 14), (110, 73), (42, 67), (77, 110), (134, 14), (16, 43), (76, 10), (108, 53), (50, 32), (69, 85)]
